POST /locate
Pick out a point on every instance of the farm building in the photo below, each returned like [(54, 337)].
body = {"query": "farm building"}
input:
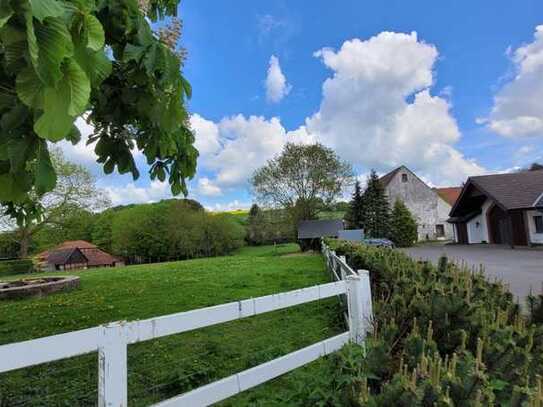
[(76, 254), (67, 259), (310, 232), (501, 209), (430, 206)]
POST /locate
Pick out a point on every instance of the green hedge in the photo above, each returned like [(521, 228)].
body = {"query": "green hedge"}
[(10, 267), (442, 336)]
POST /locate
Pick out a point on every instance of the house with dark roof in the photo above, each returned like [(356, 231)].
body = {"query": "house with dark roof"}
[(310, 232), (430, 206), (68, 254), (501, 209)]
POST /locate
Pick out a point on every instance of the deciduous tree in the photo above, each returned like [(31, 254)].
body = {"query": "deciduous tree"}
[(62, 58), (302, 179), (75, 190)]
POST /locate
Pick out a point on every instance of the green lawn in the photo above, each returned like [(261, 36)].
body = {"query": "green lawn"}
[(169, 366)]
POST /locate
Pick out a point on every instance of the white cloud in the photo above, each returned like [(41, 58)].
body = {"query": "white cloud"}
[(80, 153), (365, 114), (130, 193), (206, 187), (276, 83), (517, 110), (206, 135), (240, 145)]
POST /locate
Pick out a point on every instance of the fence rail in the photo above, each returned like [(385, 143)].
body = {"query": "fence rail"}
[(111, 340)]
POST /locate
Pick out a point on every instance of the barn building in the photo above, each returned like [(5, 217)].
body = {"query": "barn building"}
[(430, 206), (500, 209), (76, 254)]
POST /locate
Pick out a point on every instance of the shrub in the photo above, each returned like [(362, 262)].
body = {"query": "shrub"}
[(10, 267), (173, 230), (403, 226), (268, 226), (441, 337)]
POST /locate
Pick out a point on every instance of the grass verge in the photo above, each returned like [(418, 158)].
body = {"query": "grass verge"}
[(162, 368)]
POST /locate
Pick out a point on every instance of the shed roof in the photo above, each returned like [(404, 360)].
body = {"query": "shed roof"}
[(312, 229), (95, 256), (80, 244), (98, 257), (62, 256)]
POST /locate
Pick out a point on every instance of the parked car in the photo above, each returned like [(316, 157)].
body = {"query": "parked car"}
[(379, 243)]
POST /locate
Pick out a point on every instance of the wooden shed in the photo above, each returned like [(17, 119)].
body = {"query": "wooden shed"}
[(67, 259)]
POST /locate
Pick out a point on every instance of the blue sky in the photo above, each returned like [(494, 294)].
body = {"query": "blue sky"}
[(449, 88)]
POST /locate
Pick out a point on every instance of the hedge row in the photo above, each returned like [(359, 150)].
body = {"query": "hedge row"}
[(10, 267), (442, 336)]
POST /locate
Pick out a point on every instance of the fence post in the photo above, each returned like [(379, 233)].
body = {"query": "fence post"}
[(112, 366), (367, 307), (359, 305), (341, 269)]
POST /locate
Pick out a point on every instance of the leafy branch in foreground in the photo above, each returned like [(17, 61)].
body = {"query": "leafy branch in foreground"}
[(60, 59)]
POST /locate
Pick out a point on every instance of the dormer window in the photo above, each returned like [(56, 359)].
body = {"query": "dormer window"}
[(404, 178)]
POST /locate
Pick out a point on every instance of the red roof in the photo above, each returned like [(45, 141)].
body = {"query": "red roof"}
[(95, 256), (98, 257), (80, 244), (449, 195)]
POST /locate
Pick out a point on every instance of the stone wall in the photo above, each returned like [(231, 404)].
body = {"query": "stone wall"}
[(423, 202)]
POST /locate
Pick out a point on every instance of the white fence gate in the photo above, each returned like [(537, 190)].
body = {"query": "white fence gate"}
[(111, 340)]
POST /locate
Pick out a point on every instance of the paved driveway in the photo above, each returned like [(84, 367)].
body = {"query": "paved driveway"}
[(520, 268)]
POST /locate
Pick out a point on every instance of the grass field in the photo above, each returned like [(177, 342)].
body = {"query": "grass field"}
[(162, 368)]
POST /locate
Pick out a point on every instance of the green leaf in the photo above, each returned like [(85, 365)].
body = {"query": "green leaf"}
[(5, 12), (74, 136), (14, 40), (109, 166), (46, 178), (95, 32), (9, 190), (32, 41), (55, 122), (63, 103), (133, 52), (79, 86), (29, 88), (186, 87), (95, 64), (42, 9), (54, 44)]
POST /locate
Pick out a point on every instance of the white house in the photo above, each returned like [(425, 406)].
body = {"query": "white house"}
[(501, 209)]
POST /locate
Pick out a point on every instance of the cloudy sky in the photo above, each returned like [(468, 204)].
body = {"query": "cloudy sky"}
[(448, 88)]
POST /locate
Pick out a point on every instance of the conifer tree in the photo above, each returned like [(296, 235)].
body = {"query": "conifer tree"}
[(403, 225), (355, 212), (375, 209)]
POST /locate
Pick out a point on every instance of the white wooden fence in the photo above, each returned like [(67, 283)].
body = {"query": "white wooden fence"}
[(111, 340)]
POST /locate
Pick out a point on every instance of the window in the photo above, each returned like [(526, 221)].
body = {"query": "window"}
[(440, 230), (538, 221), (404, 177)]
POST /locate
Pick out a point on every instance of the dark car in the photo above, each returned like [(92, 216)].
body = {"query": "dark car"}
[(379, 243)]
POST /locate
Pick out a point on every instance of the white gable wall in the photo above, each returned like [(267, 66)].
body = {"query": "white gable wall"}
[(424, 203)]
